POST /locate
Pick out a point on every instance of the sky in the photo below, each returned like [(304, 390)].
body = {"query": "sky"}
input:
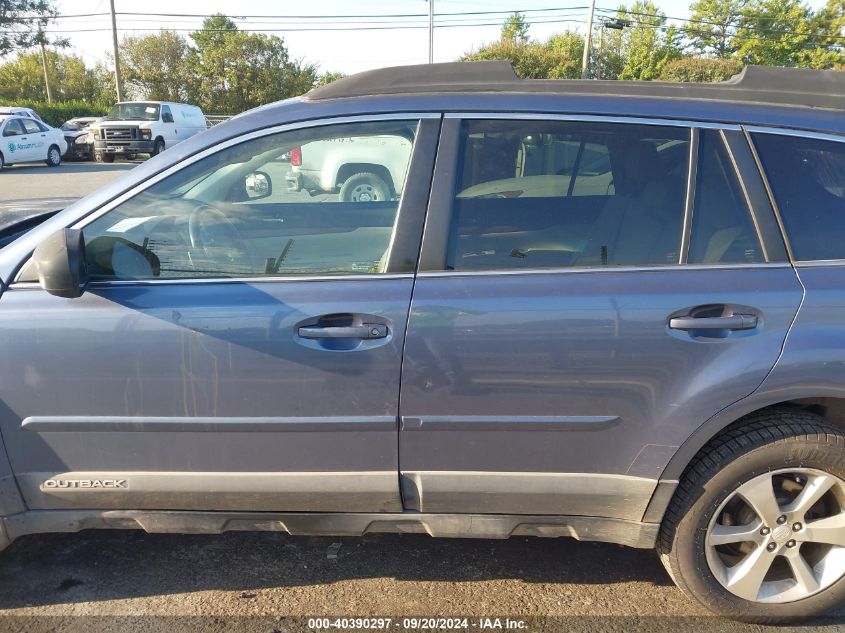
[(346, 51)]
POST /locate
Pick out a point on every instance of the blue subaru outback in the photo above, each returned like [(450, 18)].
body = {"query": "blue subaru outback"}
[(607, 310)]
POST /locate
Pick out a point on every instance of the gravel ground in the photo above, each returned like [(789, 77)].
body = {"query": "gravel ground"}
[(127, 580), (266, 582)]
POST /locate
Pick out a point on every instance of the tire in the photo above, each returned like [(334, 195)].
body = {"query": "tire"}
[(103, 157), (54, 156), (364, 187), (2, 161), (159, 147), (779, 449)]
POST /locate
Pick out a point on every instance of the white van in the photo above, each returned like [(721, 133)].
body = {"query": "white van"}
[(145, 127)]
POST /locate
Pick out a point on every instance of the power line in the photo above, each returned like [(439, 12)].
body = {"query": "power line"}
[(296, 17), (814, 43)]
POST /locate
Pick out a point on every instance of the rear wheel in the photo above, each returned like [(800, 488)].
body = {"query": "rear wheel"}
[(54, 156), (756, 530), (364, 187)]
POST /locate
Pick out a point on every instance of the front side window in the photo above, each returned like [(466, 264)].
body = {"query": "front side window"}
[(13, 128), (807, 177), (534, 194), (316, 201)]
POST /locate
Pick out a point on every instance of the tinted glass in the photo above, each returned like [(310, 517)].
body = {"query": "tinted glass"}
[(722, 229), (294, 203), (807, 177), (554, 194), (13, 128)]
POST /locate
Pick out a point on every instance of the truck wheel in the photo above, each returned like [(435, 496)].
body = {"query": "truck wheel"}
[(102, 157), (158, 148), (756, 528), (364, 187), (54, 157)]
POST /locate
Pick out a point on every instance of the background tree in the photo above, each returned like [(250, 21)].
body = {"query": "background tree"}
[(711, 26), (700, 69), (154, 66), (645, 45), (829, 26), (557, 58), (515, 29), (21, 22), (780, 33), (329, 76), (230, 71), (23, 78)]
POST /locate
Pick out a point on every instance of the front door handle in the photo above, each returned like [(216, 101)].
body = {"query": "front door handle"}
[(733, 322), (366, 331)]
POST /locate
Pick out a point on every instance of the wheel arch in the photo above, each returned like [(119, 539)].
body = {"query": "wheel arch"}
[(350, 169), (828, 403)]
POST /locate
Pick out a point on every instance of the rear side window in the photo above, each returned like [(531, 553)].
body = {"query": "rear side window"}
[(807, 177), (722, 229), (535, 194)]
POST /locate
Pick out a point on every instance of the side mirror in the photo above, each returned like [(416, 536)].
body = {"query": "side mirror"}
[(167, 118), (257, 185), (60, 263)]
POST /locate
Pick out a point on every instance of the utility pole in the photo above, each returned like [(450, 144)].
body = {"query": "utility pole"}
[(430, 31), (601, 50), (585, 60), (44, 65), (118, 82)]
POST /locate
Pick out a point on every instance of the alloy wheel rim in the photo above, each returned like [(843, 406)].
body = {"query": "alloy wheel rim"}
[(54, 156), (779, 537)]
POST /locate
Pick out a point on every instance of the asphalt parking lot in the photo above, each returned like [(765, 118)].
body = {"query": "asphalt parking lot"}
[(127, 580), (35, 186)]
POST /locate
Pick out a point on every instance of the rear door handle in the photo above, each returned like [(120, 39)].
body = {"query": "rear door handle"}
[(733, 322), (366, 331)]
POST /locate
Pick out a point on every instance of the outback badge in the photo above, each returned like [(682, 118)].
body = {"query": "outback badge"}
[(84, 483)]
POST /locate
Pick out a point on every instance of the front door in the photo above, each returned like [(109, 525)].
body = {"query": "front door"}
[(580, 310), (168, 127), (238, 347), (18, 145)]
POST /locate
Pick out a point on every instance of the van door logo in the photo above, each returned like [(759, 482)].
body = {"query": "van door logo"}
[(12, 148)]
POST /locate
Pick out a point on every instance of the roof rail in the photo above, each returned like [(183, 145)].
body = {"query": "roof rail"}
[(758, 84)]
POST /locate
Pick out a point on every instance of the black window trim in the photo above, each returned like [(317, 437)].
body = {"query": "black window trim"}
[(433, 254), (750, 131)]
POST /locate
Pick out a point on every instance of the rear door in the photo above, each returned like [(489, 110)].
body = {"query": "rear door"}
[(238, 347), (589, 293)]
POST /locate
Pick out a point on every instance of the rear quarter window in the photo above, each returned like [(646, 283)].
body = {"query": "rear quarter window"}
[(807, 178)]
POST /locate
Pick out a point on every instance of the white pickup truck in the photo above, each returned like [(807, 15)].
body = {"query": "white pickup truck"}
[(358, 169)]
